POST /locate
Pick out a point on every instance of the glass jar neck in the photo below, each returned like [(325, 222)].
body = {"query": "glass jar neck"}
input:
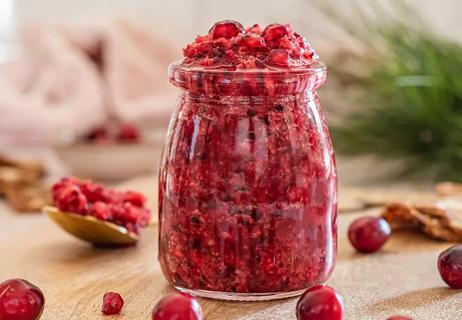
[(246, 83), (247, 105)]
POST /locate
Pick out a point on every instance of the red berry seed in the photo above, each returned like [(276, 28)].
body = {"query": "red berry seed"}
[(253, 43), (226, 29), (20, 300), (450, 266), (320, 302), (278, 57), (178, 306), (112, 303), (369, 234), (273, 34)]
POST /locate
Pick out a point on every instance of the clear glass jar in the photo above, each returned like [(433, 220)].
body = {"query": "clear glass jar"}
[(248, 184)]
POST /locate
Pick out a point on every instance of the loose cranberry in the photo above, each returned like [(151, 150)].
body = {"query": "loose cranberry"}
[(178, 306), (273, 33), (226, 29), (368, 234), (278, 57), (112, 303), (20, 300), (450, 266), (399, 318), (128, 132), (320, 302)]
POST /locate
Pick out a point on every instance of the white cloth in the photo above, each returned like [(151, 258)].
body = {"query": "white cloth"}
[(54, 87)]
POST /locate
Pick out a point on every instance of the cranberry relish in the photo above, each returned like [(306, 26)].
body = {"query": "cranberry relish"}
[(84, 197), (228, 45), (247, 187)]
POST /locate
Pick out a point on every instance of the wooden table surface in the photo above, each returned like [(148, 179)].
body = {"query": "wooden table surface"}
[(401, 279)]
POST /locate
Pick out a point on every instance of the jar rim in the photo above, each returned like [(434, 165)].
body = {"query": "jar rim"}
[(316, 66), (248, 82)]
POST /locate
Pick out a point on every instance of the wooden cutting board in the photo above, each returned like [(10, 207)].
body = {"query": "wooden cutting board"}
[(401, 279)]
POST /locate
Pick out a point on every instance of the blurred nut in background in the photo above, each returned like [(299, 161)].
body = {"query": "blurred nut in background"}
[(22, 184)]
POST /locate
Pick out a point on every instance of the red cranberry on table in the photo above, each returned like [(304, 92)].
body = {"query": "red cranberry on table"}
[(450, 266), (178, 306), (320, 302), (112, 303), (20, 300), (369, 234)]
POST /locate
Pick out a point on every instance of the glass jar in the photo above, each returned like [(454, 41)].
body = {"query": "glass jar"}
[(248, 184)]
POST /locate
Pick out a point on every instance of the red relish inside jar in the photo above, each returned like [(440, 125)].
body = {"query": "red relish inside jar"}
[(247, 187)]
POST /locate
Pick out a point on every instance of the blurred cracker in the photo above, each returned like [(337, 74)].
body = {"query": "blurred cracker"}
[(447, 189), (32, 167), (441, 220), (27, 197)]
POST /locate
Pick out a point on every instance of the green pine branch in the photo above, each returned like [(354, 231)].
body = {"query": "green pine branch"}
[(410, 85)]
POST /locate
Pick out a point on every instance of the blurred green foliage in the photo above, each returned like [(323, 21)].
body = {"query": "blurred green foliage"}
[(408, 84)]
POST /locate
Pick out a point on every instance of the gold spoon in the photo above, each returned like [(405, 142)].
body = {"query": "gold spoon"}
[(90, 229)]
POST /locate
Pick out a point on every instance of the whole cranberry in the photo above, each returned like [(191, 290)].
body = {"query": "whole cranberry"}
[(178, 306), (226, 29), (369, 234), (450, 266), (278, 57), (320, 302), (273, 34), (20, 300), (112, 303), (399, 318), (128, 132)]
